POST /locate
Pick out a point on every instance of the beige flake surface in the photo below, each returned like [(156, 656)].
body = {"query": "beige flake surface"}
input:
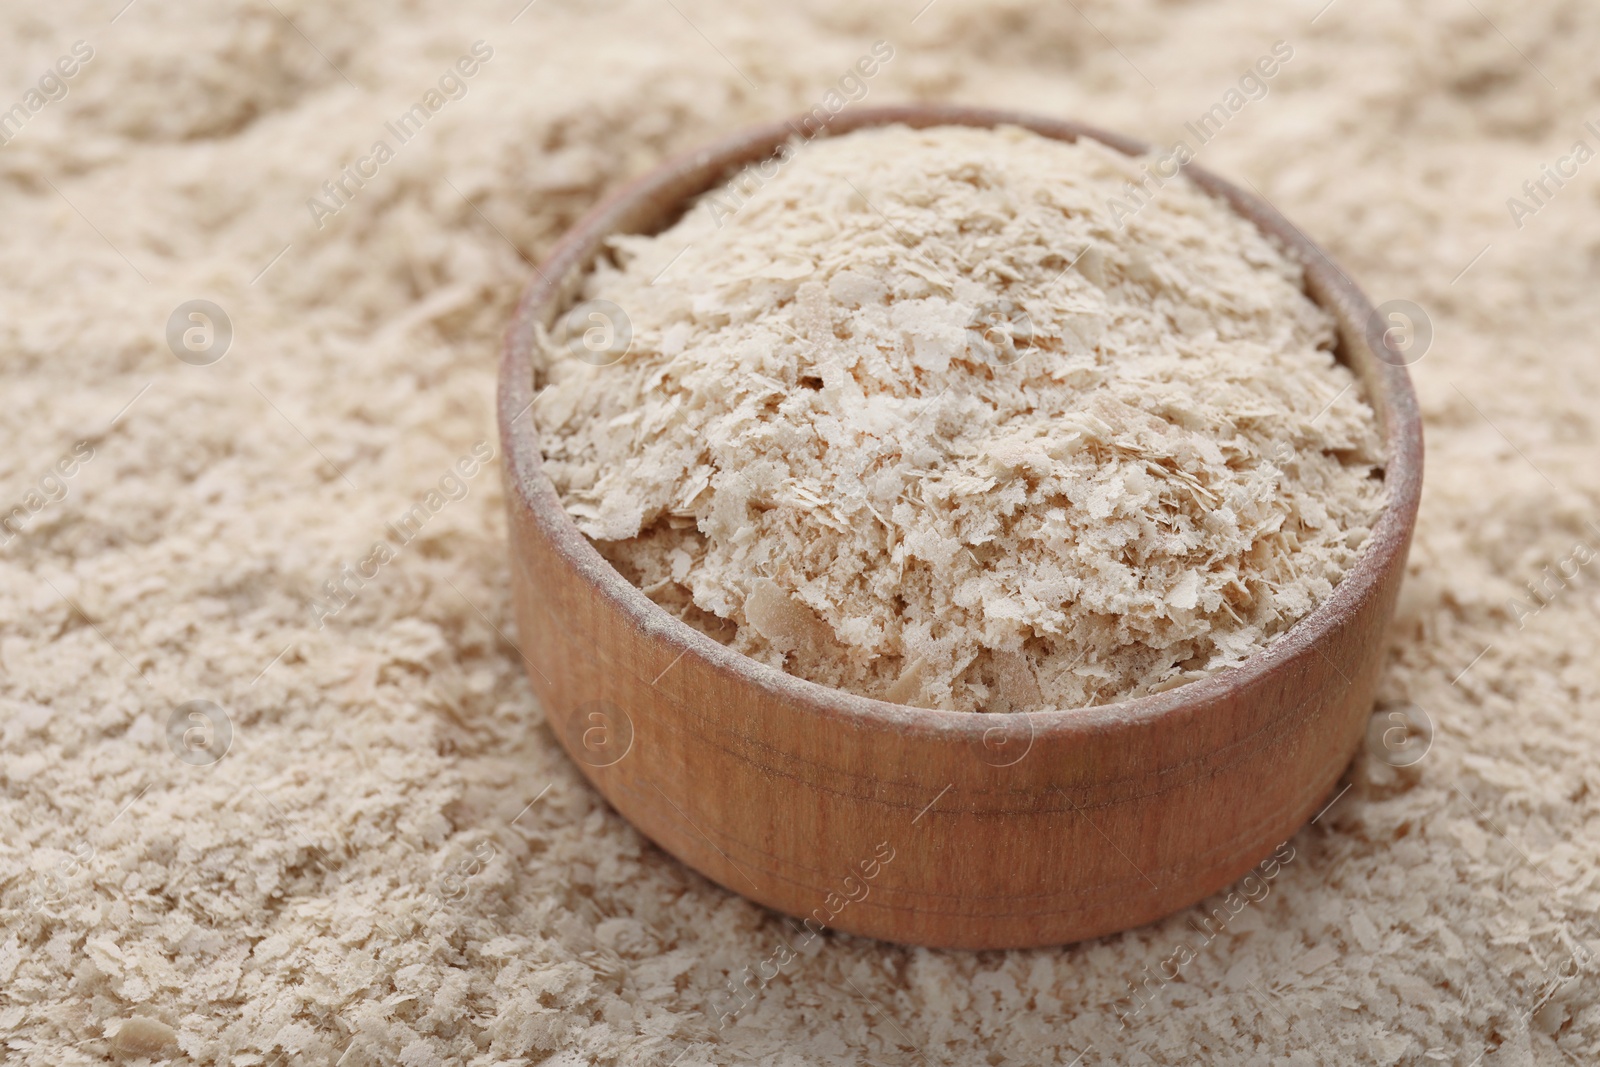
[(302, 901), (917, 418)]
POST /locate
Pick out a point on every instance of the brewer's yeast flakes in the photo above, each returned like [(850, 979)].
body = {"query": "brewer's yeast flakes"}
[(911, 414)]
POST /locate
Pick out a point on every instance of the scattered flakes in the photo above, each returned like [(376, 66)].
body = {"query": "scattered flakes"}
[(190, 544)]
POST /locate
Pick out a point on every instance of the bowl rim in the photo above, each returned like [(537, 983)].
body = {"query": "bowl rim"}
[(1388, 387)]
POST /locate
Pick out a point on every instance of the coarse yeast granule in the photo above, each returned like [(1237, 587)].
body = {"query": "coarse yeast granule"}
[(917, 419)]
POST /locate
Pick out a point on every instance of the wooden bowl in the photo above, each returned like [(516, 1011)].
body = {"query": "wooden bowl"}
[(939, 828)]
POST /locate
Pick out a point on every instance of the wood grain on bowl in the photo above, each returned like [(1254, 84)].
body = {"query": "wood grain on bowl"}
[(930, 827)]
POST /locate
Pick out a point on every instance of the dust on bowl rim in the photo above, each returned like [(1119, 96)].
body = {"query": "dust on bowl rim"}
[(656, 199)]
